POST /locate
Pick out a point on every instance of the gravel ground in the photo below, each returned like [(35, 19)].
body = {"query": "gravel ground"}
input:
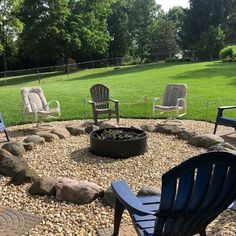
[(71, 158)]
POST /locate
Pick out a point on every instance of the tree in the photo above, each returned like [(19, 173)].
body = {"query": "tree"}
[(177, 15), (118, 27), (10, 27), (164, 37), (142, 16), (204, 19), (56, 29)]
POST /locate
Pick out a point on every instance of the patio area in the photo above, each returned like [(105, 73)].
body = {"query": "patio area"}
[(71, 158)]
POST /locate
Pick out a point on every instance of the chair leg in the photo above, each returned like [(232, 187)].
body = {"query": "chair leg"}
[(95, 117), (215, 128), (6, 135), (119, 209), (117, 116)]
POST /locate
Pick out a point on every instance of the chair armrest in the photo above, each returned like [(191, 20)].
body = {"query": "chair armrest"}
[(127, 198), (54, 101), (226, 107), (221, 110), (179, 100), (113, 100), (155, 100), (91, 102)]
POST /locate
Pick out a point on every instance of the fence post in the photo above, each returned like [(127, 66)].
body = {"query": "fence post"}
[(5, 78), (38, 75)]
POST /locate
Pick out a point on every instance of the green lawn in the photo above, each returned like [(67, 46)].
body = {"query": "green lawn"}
[(210, 84)]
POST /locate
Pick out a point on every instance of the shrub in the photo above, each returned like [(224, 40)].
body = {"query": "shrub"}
[(228, 53), (177, 60)]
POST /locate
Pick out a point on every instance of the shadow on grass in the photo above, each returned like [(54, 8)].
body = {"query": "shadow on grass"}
[(211, 71), (27, 78), (123, 70)]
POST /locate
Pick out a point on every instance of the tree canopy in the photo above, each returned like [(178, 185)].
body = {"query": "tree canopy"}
[(44, 32)]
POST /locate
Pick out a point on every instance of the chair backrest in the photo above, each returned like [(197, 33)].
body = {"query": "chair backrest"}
[(100, 95), (196, 192), (173, 92), (33, 97)]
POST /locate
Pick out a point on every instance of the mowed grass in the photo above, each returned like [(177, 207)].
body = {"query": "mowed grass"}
[(210, 84)]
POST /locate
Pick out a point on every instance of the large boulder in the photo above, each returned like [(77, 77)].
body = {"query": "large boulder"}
[(10, 165), (91, 128), (222, 147), (75, 131), (48, 137), (147, 191), (62, 133), (206, 140), (169, 129), (43, 186), (17, 168), (148, 128), (79, 192), (109, 197), (28, 146), (15, 148), (108, 124), (185, 135), (34, 139), (27, 175)]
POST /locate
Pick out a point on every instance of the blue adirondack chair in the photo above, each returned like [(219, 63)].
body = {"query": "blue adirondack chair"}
[(2, 127), (193, 194)]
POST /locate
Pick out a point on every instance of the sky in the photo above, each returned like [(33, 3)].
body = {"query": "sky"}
[(167, 4)]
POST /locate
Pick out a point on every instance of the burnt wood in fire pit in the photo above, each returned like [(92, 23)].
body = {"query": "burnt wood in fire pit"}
[(118, 142)]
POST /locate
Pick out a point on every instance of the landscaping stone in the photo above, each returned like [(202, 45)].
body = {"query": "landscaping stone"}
[(136, 127), (185, 135), (108, 124), (169, 129), (28, 146), (48, 137), (10, 165), (15, 148), (206, 140), (147, 191), (91, 128), (62, 133), (222, 147), (35, 139), (27, 175), (43, 186), (39, 128), (79, 192), (109, 197), (75, 131), (148, 128)]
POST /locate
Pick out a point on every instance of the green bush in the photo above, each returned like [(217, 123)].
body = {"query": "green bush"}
[(228, 54), (177, 60)]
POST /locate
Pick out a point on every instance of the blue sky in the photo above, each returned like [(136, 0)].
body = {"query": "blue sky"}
[(167, 4)]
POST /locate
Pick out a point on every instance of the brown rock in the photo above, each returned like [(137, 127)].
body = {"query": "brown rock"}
[(15, 148), (35, 139), (75, 131), (48, 137), (62, 133), (43, 186), (148, 128), (80, 192), (206, 140), (28, 146)]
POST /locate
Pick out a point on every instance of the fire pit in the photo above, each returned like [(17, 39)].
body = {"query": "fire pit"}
[(118, 142)]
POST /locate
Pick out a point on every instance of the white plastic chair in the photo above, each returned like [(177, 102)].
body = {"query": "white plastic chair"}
[(173, 101), (35, 103)]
